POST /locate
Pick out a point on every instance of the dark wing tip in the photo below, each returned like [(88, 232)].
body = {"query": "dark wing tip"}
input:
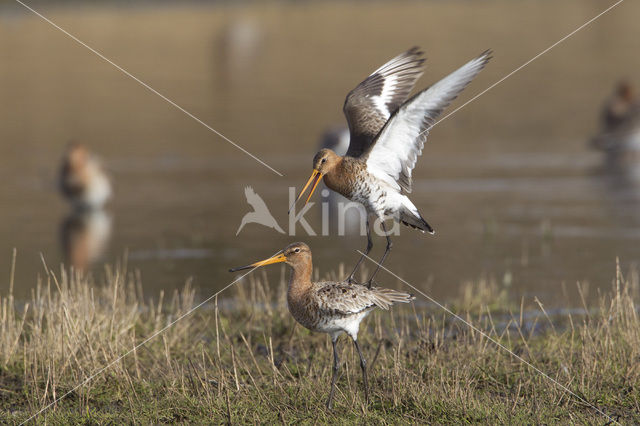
[(487, 55), (415, 50), (417, 54)]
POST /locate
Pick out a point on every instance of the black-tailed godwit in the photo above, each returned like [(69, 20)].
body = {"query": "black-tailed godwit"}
[(387, 134), (327, 306)]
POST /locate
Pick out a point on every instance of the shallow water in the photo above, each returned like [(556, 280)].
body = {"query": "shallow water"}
[(508, 182)]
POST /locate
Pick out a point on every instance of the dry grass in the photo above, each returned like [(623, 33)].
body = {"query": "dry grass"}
[(244, 360)]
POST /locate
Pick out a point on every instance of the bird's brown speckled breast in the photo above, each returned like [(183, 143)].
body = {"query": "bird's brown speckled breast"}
[(304, 310), (352, 180), (345, 177)]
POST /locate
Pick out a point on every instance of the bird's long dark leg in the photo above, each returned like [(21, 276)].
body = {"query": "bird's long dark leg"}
[(384, 256), (336, 366), (363, 366), (350, 278)]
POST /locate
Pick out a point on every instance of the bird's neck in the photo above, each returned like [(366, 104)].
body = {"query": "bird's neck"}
[(300, 281), (339, 177)]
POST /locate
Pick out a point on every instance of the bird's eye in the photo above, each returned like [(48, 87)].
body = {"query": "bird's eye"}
[(297, 250), (324, 160)]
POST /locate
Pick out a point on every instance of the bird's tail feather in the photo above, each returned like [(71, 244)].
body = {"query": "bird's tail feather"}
[(415, 221), (385, 297)]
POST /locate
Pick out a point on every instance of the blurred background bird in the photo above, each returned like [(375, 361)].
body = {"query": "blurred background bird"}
[(86, 230), (619, 134), (83, 181)]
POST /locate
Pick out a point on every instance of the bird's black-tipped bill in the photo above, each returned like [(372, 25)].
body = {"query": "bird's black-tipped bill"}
[(275, 259), (315, 178)]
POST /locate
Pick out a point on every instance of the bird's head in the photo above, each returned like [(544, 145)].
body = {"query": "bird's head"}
[(625, 90), (294, 254), (323, 162), (77, 156)]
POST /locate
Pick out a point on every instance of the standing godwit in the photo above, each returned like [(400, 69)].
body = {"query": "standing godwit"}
[(82, 180), (327, 306), (387, 134)]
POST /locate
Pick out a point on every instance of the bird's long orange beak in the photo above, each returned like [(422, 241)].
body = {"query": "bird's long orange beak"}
[(275, 259), (315, 178)]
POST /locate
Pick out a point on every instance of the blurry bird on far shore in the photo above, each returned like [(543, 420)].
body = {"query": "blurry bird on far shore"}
[(85, 232), (619, 135), (83, 181)]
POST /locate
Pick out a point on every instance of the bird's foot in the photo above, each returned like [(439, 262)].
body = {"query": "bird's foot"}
[(371, 283), (351, 280), (329, 404)]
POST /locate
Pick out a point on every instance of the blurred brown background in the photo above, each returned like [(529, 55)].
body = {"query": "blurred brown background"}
[(508, 182)]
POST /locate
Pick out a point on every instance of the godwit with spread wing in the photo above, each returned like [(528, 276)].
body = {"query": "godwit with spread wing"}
[(327, 306), (387, 134), (82, 179)]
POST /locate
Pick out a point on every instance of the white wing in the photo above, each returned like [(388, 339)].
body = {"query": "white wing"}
[(393, 155)]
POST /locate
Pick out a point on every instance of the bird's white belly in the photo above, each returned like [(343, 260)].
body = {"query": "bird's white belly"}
[(633, 140), (98, 191), (348, 324), (373, 196)]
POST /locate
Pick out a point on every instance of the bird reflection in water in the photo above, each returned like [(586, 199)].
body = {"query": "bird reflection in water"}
[(85, 237), (86, 230)]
